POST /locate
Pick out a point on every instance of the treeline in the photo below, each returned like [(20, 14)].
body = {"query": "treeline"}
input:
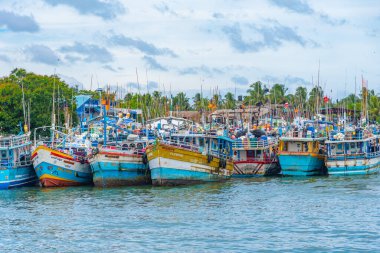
[(38, 101), (305, 102)]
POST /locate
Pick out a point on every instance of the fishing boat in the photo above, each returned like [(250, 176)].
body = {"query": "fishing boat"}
[(301, 150), (255, 155), (120, 165), (189, 158), (16, 168), (62, 160), (119, 161), (353, 152)]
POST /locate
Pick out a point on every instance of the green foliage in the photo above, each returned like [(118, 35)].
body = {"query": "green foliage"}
[(38, 92)]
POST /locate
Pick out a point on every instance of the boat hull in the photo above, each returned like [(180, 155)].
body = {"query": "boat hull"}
[(175, 166), (255, 168), (302, 164), (17, 177), (351, 167), (57, 169), (119, 168)]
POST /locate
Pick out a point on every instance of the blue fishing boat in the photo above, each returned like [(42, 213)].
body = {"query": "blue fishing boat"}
[(16, 168), (120, 159), (354, 152), (120, 165), (301, 150)]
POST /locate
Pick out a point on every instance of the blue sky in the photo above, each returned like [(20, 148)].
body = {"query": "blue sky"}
[(188, 44)]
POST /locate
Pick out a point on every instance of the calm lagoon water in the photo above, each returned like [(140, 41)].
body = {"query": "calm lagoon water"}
[(283, 214)]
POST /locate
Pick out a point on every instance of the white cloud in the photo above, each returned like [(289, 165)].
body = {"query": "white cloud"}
[(186, 47)]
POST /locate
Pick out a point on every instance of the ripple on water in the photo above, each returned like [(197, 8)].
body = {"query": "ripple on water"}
[(265, 214)]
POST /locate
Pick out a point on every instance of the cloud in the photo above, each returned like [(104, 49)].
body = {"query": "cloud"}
[(152, 85), (294, 5), (142, 46), (4, 58), (109, 67), (153, 64), (42, 54), (71, 81), (273, 36), (18, 23), (240, 80), (217, 15), (86, 52), (200, 70), (133, 85), (164, 9), (105, 9), (302, 7), (331, 21), (287, 80)]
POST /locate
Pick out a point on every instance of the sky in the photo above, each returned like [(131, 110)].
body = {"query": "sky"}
[(213, 46)]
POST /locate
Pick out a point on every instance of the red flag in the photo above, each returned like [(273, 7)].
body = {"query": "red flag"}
[(286, 105), (326, 99)]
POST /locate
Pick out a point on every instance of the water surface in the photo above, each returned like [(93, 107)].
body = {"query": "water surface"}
[(263, 214)]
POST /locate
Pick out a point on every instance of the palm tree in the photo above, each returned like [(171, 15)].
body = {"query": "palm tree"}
[(315, 99), (229, 101), (277, 93), (374, 108), (300, 98), (181, 102)]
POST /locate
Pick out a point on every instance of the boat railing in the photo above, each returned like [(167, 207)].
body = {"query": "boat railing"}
[(304, 134), (220, 155), (373, 154), (184, 145), (259, 159), (354, 156), (12, 141), (137, 150), (253, 144), (9, 163), (341, 136)]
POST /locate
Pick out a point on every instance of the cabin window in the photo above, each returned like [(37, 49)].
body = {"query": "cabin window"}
[(250, 154), (181, 139), (3, 154), (340, 146), (353, 145), (258, 153)]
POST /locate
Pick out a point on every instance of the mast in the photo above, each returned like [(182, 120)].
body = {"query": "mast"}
[(319, 67), (365, 100), (53, 111), (355, 102)]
